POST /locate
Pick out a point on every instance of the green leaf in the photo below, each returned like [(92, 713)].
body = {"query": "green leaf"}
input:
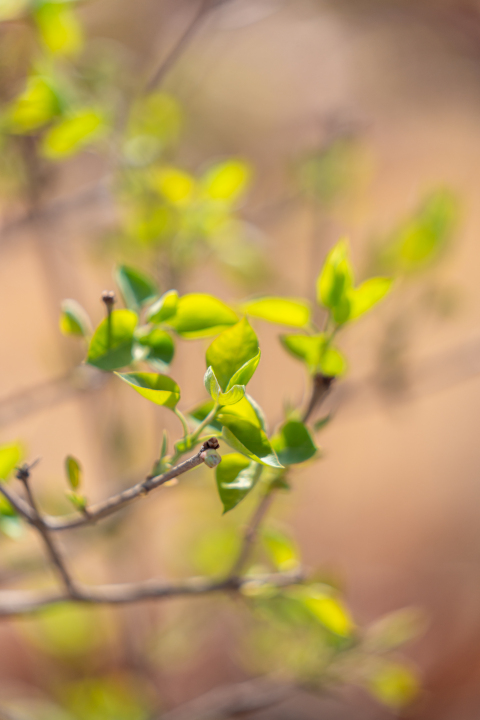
[(234, 355), (246, 409), (335, 281), (316, 353), (200, 315), (158, 345), (234, 395), (74, 472), (36, 106), (201, 411), (10, 456), (164, 308), (236, 476), (60, 31), (282, 550), (176, 186), (160, 389), (10, 523), (111, 346), (368, 294), (322, 422), (248, 439), (394, 684), (74, 319), (226, 181), (72, 134), (325, 607), (78, 500), (136, 287), (283, 311), (293, 444)]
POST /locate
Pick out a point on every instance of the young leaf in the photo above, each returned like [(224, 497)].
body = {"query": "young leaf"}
[(234, 355), (322, 422), (37, 105), (249, 440), (293, 444), (10, 456), (325, 607), (235, 476), (394, 684), (201, 411), (316, 353), (246, 409), (226, 181), (164, 308), (72, 134), (282, 550), (283, 311), (176, 186), (234, 395), (160, 389), (136, 287), (74, 472), (158, 345), (60, 31), (368, 294), (74, 320), (112, 343), (335, 282), (200, 315), (78, 500)]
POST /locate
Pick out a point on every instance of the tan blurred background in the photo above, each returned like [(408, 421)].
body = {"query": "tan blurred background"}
[(393, 509)]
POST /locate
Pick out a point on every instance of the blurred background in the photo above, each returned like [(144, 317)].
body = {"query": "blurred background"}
[(348, 118)]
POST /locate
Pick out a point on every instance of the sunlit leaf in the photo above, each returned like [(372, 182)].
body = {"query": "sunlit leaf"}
[(157, 345), (394, 684), (59, 28), (176, 186), (72, 134), (234, 355), (164, 308), (335, 281), (10, 456), (74, 319), (200, 315), (111, 346), (226, 181), (326, 607), (282, 311), (36, 106), (158, 115), (73, 470), (282, 550), (233, 396), (236, 476), (159, 389), (137, 287), (200, 412), (293, 443), (367, 295), (316, 353), (248, 439), (246, 409)]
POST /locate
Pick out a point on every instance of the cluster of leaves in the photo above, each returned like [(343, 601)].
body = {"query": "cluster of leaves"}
[(68, 101)]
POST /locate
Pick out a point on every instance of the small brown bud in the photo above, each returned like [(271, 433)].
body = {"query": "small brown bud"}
[(211, 443), (108, 297)]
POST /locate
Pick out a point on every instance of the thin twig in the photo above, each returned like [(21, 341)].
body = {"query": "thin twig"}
[(251, 533), (180, 46), (52, 548), (13, 603)]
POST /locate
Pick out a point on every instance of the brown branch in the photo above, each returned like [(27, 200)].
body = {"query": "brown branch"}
[(251, 533), (51, 546), (15, 603), (181, 45), (233, 700)]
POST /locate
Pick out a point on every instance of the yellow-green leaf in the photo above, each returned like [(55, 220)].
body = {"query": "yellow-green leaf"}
[(36, 106), (248, 439), (367, 295), (73, 470), (201, 315), (159, 389), (111, 346), (177, 186), (74, 320), (59, 28), (336, 280), (10, 456), (323, 603), (226, 181), (279, 310), (282, 550), (72, 134), (236, 476), (234, 355), (394, 684)]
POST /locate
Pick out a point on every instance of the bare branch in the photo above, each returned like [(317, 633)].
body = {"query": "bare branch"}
[(13, 603), (252, 532), (233, 700)]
